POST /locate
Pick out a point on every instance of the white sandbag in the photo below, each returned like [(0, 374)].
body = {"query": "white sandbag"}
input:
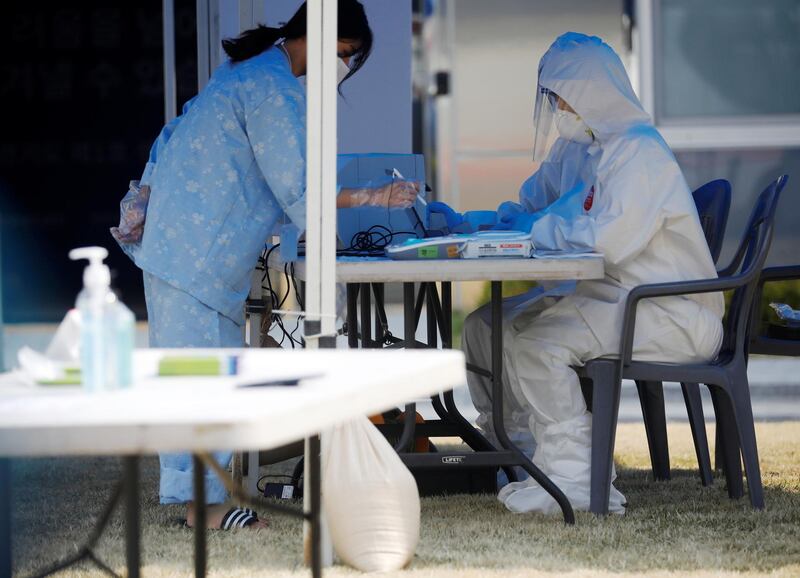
[(370, 498)]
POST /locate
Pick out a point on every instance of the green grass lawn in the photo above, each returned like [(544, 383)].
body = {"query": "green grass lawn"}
[(671, 528)]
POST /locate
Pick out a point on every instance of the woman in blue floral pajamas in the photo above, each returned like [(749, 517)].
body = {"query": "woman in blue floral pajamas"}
[(218, 178)]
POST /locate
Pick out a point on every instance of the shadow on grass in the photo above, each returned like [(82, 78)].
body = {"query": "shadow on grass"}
[(676, 525)]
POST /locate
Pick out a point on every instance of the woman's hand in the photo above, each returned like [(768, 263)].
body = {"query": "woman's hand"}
[(397, 194)]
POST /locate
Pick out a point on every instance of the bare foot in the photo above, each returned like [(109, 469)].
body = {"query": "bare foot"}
[(214, 515)]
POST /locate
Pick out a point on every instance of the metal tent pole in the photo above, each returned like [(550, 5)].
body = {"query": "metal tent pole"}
[(320, 301), (170, 90)]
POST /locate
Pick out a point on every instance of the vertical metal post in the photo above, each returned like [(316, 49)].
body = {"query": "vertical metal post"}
[(406, 440), (170, 86), (200, 521), (315, 505), (253, 464), (203, 63), (132, 521), (447, 310), (408, 316), (321, 101), (379, 308), (366, 316), (5, 517), (255, 318), (430, 311), (320, 299), (213, 36), (644, 39), (352, 315), (497, 361)]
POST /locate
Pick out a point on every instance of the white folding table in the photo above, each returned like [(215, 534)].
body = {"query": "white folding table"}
[(201, 414), (366, 276)]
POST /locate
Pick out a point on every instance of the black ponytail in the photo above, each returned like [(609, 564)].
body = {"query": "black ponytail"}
[(353, 25), (251, 42)]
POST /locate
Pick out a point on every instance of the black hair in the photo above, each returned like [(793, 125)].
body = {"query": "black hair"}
[(353, 25)]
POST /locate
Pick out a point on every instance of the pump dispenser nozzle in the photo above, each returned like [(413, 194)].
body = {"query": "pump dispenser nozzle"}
[(96, 277)]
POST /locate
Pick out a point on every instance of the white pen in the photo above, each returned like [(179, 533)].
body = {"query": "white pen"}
[(420, 198)]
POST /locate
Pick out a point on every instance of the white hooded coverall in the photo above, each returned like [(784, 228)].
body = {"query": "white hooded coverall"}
[(639, 213)]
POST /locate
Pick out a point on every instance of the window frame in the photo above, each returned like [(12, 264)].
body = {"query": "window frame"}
[(698, 133)]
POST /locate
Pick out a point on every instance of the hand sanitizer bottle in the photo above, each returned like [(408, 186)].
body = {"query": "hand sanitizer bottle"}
[(106, 326)]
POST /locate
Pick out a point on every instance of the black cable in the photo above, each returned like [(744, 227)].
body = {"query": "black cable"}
[(369, 243), (373, 241), (265, 258), (279, 321), (277, 301), (300, 304), (266, 277), (288, 287), (296, 288)]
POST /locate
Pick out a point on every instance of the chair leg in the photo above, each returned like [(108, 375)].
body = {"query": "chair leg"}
[(719, 458), (586, 388), (651, 397), (605, 409), (740, 395), (697, 421), (729, 442)]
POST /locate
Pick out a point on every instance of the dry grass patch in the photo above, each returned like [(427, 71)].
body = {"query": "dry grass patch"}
[(671, 528)]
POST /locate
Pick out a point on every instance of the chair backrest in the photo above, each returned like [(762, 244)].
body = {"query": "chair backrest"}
[(713, 202), (749, 260)]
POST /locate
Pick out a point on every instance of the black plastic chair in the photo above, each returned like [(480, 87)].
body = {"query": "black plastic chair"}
[(762, 340), (726, 376), (713, 202)]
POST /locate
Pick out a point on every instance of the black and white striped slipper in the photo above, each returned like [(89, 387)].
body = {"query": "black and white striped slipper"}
[(234, 518), (238, 518)]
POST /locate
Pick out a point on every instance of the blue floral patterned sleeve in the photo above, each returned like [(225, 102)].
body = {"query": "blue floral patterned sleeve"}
[(162, 140), (277, 133)]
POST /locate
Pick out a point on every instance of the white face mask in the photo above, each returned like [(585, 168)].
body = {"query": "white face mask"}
[(571, 127), (342, 70)]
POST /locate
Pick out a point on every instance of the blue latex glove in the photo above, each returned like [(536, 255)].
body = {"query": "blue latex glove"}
[(512, 217), (508, 210), (453, 218)]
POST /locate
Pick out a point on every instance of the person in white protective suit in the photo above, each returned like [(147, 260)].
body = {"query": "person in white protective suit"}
[(570, 168), (609, 183)]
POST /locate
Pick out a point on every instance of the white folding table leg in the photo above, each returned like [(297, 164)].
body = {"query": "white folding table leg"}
[(252, 473), (254, 326)]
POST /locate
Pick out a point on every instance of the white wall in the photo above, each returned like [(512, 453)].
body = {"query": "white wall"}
[(375, 113)]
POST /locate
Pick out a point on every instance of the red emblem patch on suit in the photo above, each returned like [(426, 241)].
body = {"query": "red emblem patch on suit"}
[(587, 204)]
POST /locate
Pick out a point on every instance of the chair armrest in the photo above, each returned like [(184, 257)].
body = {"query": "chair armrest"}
[(787, 273), (666, 290)]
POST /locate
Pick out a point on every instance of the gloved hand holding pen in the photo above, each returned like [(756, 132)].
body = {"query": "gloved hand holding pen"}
[(399, 194)]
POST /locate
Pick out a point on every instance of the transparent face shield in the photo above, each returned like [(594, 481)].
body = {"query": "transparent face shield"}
[(543, 120)]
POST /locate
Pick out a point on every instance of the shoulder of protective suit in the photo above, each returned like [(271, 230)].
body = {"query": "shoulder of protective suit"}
[(640, 144)]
